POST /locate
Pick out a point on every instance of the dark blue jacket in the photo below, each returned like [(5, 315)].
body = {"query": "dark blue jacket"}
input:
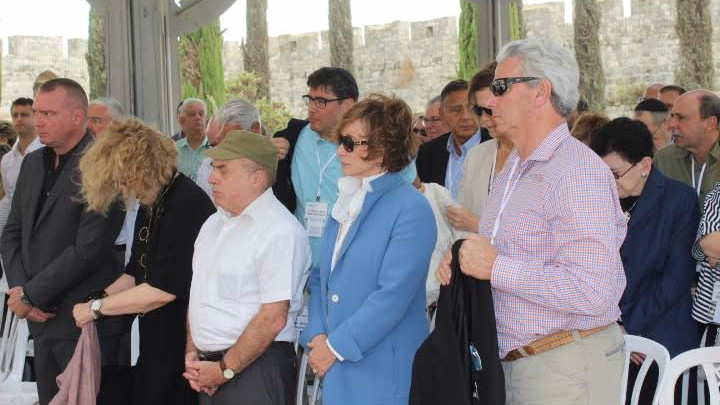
[(659, 265)]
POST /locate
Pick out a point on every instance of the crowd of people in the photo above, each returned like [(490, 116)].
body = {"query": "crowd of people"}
[(222, 238)]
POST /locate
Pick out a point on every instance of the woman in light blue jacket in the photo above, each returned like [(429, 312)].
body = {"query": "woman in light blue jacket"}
[(367, 295)]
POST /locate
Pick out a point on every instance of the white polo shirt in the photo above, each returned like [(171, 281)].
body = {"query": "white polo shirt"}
[(260, 256)]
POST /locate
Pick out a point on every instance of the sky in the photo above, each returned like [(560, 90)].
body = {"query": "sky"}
[(68, 18)]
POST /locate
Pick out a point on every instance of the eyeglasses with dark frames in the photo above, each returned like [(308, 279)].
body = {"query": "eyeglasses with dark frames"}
[(479, 110), (320, 102), (349, 144), (620, 176), (498, 87), (419, 131)]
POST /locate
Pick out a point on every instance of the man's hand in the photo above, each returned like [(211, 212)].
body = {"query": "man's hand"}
[(208, 373), (443, 271), (15, 304), (477, 257), (82, 314), (192, 374), (283, 146), (462, 218), (320, 357), (38, 316)]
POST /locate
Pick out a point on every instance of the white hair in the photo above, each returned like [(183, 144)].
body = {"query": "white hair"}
[(189, 101), (117, 113), (548, 60), (239, 112)]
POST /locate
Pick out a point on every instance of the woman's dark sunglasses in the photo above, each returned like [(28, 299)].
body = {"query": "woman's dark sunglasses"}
[(419, 131), (498, 87), (349, 144), (479, 110)]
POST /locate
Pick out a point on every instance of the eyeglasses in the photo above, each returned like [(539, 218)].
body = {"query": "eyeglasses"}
[(431, 120), (419, 131), (620, 176), (320, 102), (498, 87), (349, 144), (479, 110)]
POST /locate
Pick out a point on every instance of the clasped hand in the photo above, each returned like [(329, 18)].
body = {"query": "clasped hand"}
[(321, 358), (23, 310), (203, 376)]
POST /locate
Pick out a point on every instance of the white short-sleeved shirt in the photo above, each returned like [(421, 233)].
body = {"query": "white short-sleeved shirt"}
[(260, 256), (11, 162)]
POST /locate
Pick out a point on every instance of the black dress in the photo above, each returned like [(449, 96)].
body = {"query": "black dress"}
[(162, 254)]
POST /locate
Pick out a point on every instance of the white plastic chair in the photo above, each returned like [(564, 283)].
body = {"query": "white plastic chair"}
[(302, 386), (708, 358), (14, 391), (654, 352)]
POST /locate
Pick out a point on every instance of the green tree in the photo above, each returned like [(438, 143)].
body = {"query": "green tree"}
[(587, 53), (694, 29), (516, 24), (467, 37), (201, 67), (95, 56), (274, 114), (340, 34), (255, 50)]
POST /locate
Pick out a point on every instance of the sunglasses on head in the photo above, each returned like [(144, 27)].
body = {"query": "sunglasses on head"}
[(498, 87), (349, 144), (479, 110)]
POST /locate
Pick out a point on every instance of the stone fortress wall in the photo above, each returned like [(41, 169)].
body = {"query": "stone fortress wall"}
[(410, 59)]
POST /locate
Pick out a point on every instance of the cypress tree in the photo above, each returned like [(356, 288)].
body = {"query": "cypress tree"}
[(95, 56), (255, 50), (340, 34), (694, 28), (201, 68), (467, 37)]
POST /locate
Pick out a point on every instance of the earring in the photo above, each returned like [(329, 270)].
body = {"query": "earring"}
[(644, 175)]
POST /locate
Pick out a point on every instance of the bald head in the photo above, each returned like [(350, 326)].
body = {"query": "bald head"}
[(653, 90)]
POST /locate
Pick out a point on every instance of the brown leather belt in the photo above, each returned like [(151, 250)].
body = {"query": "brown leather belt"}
[(550, 342)]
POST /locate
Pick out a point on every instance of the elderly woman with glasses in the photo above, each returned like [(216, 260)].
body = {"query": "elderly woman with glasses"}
[(133, 160), (662, 216), (367, 295)]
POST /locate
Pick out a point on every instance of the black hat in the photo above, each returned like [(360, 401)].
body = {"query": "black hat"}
[(652, 105)]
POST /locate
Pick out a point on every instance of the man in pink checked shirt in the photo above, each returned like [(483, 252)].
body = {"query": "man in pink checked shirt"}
[(549, 240)]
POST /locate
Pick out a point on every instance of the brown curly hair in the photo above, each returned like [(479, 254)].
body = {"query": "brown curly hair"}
[(388, 124), (129, 152)]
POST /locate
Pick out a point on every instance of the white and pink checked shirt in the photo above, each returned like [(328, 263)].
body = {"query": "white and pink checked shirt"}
[(558, 266)]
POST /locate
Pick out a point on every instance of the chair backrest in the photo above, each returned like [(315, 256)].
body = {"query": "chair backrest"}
[(302, 386), (9, 345), (654, 352), (708, 358)]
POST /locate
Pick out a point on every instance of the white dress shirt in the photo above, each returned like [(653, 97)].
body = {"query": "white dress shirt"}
[(10, 170), (241, 262)]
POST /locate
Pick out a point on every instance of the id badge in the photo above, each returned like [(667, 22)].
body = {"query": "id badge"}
[(716, 299), (315, 218)]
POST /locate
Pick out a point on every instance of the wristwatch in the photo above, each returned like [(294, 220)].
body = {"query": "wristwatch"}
[(25, 299), (227, 372), (95, 307)]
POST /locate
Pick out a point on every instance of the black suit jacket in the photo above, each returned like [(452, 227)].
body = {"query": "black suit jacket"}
[(432, 158), (283, 187), (64, 254), (442, 372)]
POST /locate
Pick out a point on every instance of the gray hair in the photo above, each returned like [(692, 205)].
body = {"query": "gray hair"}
[(548, 60), (659, 117), (709, 105), (117, 112), (436, 99), (189, 101), (238, 112)]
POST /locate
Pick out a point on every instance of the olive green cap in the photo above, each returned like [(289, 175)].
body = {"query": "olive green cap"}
[(246, 144)]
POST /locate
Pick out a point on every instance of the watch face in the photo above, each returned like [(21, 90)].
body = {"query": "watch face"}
[(95, 305), (228, 373)]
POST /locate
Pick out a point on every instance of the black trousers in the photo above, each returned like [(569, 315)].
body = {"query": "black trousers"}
[(269, 380), (53, 355)]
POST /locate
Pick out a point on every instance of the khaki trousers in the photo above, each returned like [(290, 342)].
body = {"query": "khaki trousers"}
[(587, 371)]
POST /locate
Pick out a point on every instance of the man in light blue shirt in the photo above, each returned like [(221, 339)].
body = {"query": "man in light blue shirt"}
[(191, 148), (456, 160), (307, 179)]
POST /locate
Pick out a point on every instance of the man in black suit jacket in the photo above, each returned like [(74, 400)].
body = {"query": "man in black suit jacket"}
[(435, 164), (54, 251)]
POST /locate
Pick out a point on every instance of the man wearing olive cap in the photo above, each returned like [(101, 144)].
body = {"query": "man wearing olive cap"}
[(251, 259)]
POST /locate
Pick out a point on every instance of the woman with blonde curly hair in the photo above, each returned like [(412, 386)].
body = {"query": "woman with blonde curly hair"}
[(135, 161), (367, 297)]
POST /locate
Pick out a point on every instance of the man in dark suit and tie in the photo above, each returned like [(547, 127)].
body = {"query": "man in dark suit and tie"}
[(440, 160), (53, 250)]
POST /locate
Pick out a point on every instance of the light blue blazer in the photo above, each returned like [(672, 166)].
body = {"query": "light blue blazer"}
[(372, 305)]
